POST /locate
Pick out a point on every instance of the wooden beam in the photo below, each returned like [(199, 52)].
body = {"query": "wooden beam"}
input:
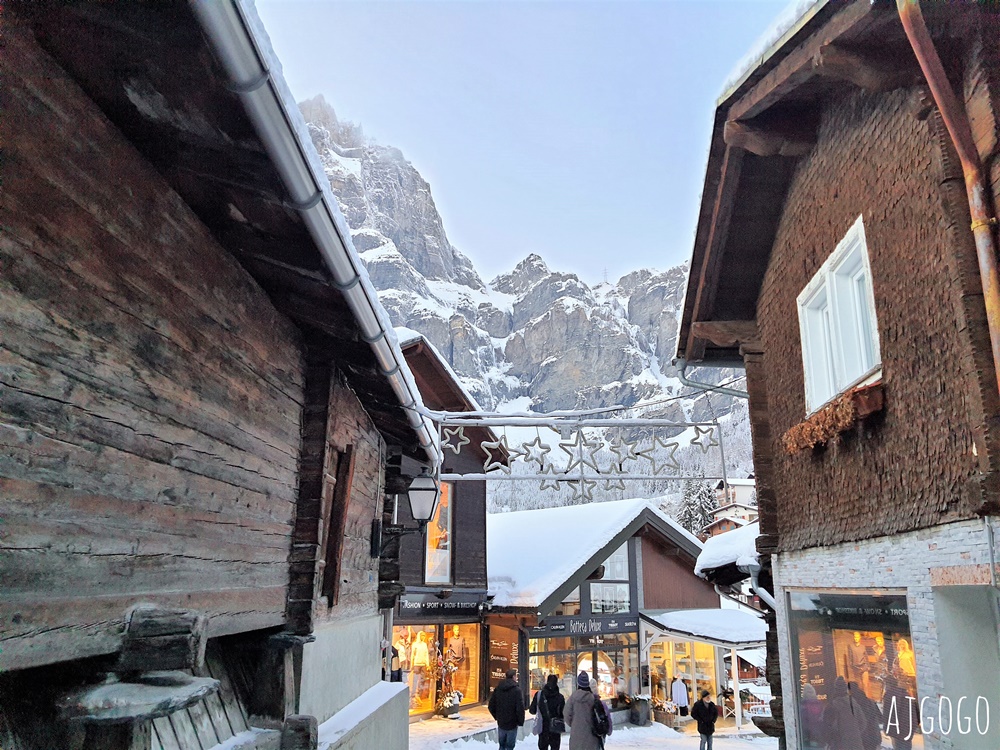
[(722, 211), (865, 70), (798, 67), (727, 332), (782, 141)]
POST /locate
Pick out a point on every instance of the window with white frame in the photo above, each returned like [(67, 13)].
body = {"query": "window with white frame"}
[(840, 345)]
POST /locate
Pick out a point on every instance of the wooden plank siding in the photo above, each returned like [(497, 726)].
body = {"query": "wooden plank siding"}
[(150, 394)]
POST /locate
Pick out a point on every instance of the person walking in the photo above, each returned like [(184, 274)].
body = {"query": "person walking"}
[(507, 707), (871, 737), (549, 702), (811, 717), (579, 715), (705, 713), (902, 720), (844, 721)]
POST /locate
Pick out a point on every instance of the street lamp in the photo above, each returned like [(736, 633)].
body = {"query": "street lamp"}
[(423, 496)]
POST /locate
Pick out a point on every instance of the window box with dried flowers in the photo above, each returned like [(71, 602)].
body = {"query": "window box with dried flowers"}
[(838, 416)]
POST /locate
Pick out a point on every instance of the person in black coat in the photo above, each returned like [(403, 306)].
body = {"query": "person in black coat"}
[(551, 703), (871, 738), (507, 707), (705, 713)]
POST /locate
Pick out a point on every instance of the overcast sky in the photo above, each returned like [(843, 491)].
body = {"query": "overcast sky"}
[(576, 130)]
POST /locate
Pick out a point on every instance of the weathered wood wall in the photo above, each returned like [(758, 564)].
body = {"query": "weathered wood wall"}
[(352, 439), (150, 395), (930, 456), (668, 579)]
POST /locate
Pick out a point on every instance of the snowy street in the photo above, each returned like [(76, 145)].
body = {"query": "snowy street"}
[(652, 737)]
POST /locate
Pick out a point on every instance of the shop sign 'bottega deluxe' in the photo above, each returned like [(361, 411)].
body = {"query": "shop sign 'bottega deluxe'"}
[(586, 626)]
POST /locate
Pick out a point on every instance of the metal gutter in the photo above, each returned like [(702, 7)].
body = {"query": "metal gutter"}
[(956, 119), (233, 44), (682, 364)]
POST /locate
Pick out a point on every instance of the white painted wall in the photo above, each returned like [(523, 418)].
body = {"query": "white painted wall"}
[(903, 563), (342, 663)]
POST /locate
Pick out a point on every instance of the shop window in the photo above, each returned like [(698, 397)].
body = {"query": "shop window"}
[(437, 559), (693, 665), (616, 566), (850, 645), (461, 656), (609, 598), (540, 666), (417, 646), (840, 343), (570, 605)]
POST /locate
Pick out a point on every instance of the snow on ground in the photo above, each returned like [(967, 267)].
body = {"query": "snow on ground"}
[(654, 737)]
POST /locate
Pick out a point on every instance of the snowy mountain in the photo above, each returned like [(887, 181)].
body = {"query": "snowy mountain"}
[(537, 337)]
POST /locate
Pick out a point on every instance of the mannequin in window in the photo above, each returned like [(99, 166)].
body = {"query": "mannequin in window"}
[(457, 651), (420, 660), (857, 658)]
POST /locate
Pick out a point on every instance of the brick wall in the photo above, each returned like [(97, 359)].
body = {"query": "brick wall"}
[(914, 562), (914, 465)]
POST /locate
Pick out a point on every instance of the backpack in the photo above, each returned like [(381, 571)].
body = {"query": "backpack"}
[(601, 722)]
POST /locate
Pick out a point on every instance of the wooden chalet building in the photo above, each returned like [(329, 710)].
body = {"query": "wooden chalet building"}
[(834, 260), (593, 588), (441, 610), (199, 392)]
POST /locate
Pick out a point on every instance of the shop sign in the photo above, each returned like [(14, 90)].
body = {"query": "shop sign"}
[(429, 606), (503, 653), (587, 626)]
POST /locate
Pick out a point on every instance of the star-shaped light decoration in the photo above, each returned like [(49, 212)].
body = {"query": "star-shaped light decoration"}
[(704, 438), (580, 452), (614, 484), (548, 484), (583, 488), (458, 433), (658, 463), (494, 455), (535, 452), (624, 450)]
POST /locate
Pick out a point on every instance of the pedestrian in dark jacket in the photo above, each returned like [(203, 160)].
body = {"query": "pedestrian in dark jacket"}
[(811, 717), (550, 702), (902, 720), (507, 707), (705, 713), (871, 737), (844, 721)]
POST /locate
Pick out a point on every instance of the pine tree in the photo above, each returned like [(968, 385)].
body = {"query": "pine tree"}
[(697, 504)]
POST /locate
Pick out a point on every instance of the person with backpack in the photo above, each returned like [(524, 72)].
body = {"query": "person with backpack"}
[(507, 707), (548, 704), (705, 713), (588, 719)]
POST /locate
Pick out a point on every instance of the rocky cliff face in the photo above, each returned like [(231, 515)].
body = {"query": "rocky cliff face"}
[(534, 332)]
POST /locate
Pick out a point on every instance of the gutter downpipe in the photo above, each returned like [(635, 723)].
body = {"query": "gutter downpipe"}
[(957, 121), (764, 594), (682, 364), (232, 42)]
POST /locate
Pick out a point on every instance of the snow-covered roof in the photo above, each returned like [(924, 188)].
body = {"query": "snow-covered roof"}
[(531, 553), (407, 337), (790, 18), (738, 547), (730, 628), (736, 520), (755, 656), (737, 483)]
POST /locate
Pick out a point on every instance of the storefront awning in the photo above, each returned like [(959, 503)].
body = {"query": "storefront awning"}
[(729, 628)]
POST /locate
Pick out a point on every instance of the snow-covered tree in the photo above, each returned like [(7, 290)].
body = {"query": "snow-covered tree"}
[(697, 504)]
